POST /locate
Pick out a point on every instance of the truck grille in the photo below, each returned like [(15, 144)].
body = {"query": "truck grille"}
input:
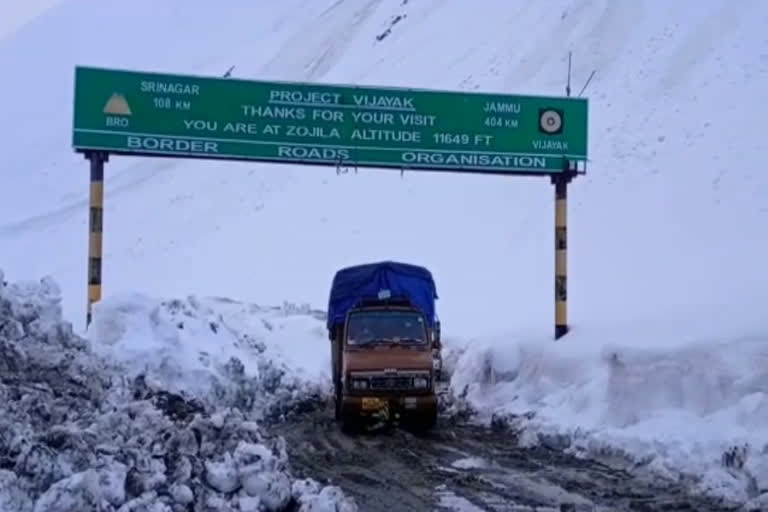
[(381, 381), (391, 383)]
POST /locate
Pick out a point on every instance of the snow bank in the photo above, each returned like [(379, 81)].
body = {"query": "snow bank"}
[(696, 408), (83, 431), (227, 353)]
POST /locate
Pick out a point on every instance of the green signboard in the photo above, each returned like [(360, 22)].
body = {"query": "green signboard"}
[(160, 114)]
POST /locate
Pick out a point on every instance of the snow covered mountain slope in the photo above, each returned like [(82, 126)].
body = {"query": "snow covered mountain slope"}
[(673, 207), (667, 231), (17, 14)]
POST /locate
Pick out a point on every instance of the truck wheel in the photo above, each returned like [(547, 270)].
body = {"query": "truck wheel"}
[(421, 423), (431, 420), (350, 425)]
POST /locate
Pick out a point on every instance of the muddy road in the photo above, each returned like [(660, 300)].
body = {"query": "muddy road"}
[(467, 468)]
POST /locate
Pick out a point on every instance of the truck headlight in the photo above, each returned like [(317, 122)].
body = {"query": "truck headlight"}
[(359, 383), (420, 382)]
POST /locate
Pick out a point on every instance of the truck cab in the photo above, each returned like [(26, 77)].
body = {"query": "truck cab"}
[(383, 351)]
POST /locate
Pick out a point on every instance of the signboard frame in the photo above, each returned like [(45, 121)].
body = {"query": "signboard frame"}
[(116, 107), (431, 105)]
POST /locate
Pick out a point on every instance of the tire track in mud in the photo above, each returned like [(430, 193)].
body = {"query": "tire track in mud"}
[(463, 467)]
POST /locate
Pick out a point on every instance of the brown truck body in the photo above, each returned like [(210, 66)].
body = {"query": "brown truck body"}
[(389, 376)]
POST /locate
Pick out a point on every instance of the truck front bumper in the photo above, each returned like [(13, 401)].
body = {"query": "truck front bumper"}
[(388, 406)]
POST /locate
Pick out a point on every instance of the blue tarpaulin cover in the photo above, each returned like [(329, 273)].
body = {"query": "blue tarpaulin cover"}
[(351, 284)]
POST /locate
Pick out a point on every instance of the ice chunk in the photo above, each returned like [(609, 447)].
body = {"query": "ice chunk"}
[(12, 496), (273, 487), (222, 475), (182, 494), (76, 493)]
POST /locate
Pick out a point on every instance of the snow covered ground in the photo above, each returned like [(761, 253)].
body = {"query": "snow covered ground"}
[(667, 231), (683, 401), (167, 423)]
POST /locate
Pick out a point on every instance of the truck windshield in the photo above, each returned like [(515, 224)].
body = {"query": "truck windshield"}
[(386, 327)]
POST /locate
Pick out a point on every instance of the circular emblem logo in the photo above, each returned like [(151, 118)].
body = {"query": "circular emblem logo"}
[(550, 121)]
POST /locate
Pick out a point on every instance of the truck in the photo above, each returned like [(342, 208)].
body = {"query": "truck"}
[(385, 345)]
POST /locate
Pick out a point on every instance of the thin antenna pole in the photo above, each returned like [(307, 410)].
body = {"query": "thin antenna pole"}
[(568, 85), (587, 83)]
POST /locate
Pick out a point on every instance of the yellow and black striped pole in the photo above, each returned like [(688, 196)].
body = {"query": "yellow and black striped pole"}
[(561, 252), (95, 229)]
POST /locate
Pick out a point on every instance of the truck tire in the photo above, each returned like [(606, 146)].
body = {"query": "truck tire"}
[(350, 424), (431, 420), (422, 422), (428, 421)]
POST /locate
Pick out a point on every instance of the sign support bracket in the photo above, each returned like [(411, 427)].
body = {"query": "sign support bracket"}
[(95, 227)]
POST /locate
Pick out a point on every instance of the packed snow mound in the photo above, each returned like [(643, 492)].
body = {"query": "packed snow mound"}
[(696, 409), (262, 359), (80, 431)]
